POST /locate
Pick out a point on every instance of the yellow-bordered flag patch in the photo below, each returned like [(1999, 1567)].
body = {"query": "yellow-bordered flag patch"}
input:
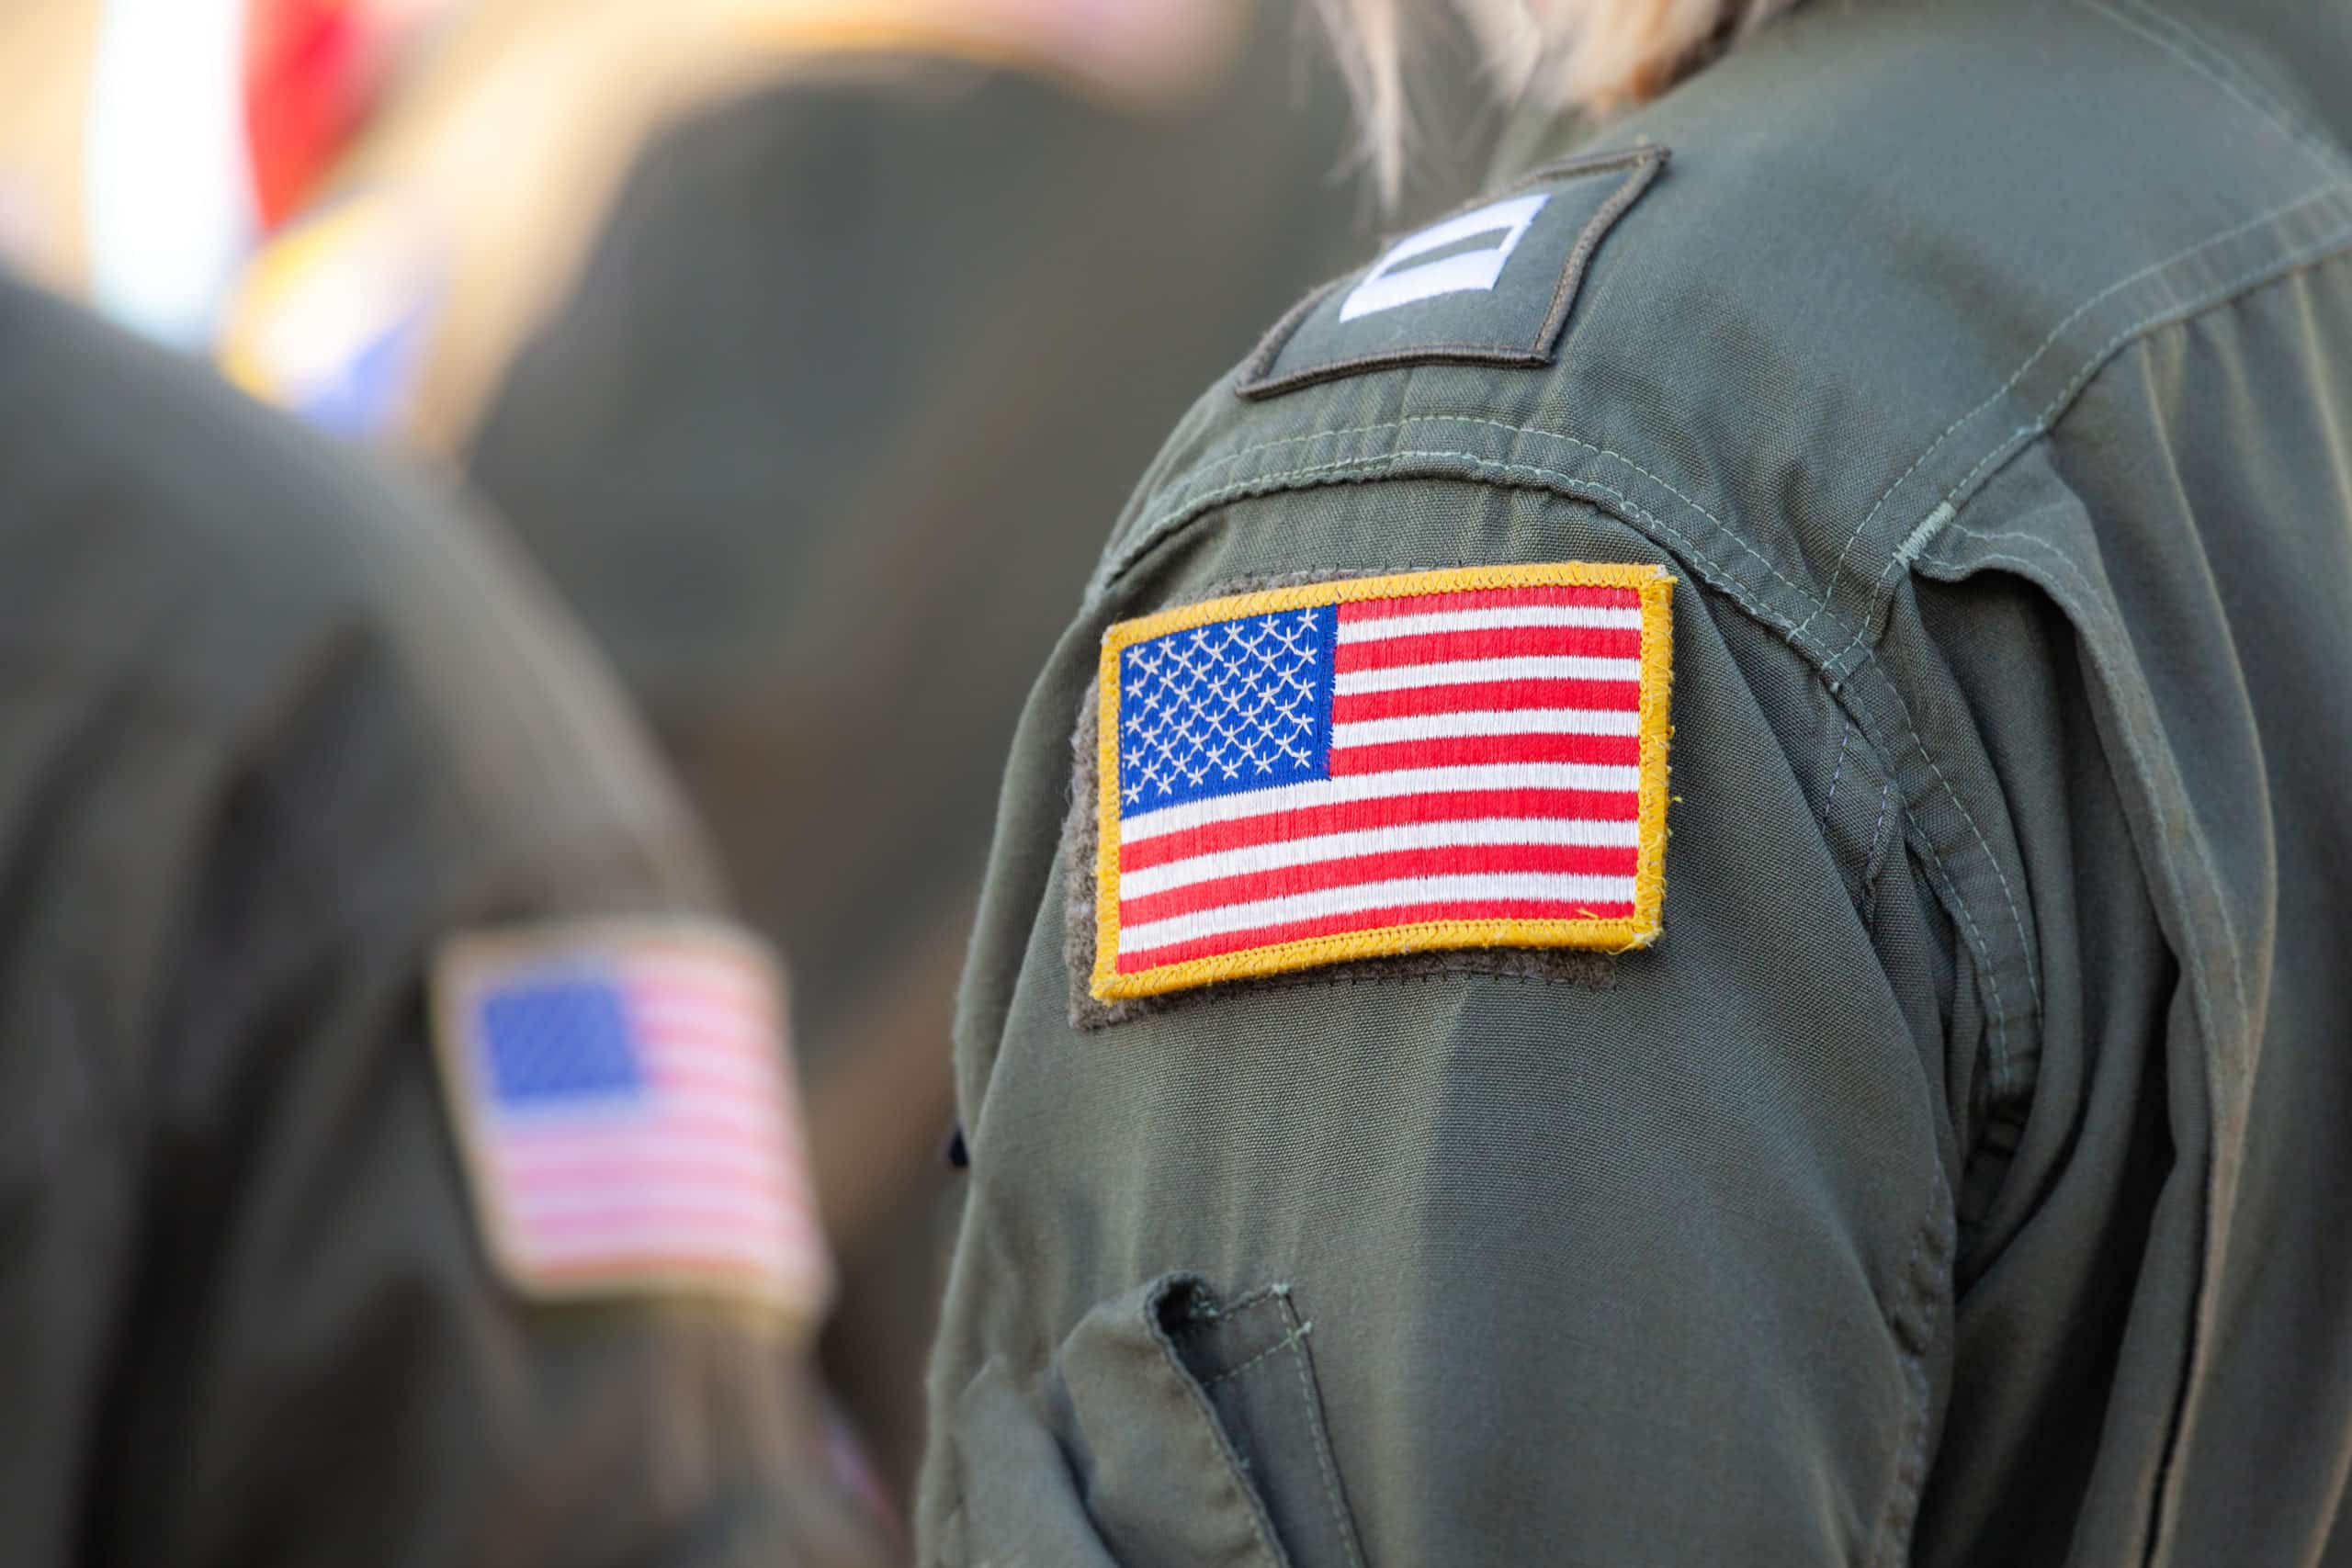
[(1374, 766)]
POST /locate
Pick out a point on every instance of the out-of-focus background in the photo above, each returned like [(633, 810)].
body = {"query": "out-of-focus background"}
[(810, 346)]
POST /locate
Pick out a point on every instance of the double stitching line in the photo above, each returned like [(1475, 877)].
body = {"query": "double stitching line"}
[(2003, 390), (2272, 119), (2178, 39), (1149, 532), (2008, 895), (1845, 738), (2024, 434), (2083, 602)]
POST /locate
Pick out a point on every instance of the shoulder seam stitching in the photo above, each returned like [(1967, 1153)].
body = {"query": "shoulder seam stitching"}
[(2084, 600), (2276, 269), (2178, 44), (2078, 313)]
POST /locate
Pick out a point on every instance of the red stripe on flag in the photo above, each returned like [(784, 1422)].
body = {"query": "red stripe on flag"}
[(1371, 919), (1599, 860), (1466, 750), (1487, 696), (1492, 599), (1450, 806), (1500, 642)]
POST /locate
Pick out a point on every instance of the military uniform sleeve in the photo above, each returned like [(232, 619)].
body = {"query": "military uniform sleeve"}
[(1479, 1254), (276, 726), (334, 1367), (1942, 1176)]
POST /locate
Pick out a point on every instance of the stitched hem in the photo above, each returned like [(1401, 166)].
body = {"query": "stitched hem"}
[(1919, 1320)]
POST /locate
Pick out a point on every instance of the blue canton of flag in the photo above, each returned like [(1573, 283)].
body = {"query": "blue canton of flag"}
[(561, 1039), (1226, 707)]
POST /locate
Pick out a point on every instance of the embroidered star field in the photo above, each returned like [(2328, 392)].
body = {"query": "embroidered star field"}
[(1230, 706)]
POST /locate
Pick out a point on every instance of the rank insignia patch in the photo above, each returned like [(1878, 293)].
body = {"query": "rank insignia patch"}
[(1492, 285), (1359, 769), (626, 1113)]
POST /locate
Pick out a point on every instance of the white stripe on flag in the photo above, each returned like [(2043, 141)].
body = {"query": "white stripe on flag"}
[(665, 1236), (651, 1147), (1611, 778), (1374, 841), (1503, 721), (1460, 671), (1403, 891), (1374, 629), (754, 1207)]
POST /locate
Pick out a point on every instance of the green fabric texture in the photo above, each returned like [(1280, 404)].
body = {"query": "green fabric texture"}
[(272, 723), (1955, 1180)]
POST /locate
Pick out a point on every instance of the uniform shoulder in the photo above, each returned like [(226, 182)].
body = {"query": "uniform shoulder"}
[(1883, 248), (181, 556), (153, 508)]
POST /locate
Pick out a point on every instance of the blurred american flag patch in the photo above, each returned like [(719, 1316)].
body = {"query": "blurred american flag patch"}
[(1375, 766), (626, 1105)]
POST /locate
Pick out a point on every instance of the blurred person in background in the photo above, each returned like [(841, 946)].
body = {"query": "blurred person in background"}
[(820, 440), (150, 149), (1406, 1126), (360, 207), (400, 1163)]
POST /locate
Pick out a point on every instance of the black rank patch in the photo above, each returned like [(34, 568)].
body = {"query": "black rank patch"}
[(1492, 284)]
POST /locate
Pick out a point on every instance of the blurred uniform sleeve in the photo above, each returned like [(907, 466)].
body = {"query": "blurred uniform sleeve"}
[(1486, 1256), (276, 727)]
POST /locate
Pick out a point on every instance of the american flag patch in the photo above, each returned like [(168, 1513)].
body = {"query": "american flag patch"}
[(1383, 765), (626, 1110)]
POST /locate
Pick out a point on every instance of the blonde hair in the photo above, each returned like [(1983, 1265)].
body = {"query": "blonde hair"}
[(1591, 55)]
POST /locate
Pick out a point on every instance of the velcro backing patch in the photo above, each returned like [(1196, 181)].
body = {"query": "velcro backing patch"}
[(1491, 285), (625, 1103), (1375, 766)]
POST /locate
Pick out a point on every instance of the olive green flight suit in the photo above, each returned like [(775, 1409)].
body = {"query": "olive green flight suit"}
[(1960, 1178), (271, 725)]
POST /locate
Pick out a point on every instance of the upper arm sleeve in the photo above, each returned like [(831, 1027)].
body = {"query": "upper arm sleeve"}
[(1646, 1264), (322, 1363)]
